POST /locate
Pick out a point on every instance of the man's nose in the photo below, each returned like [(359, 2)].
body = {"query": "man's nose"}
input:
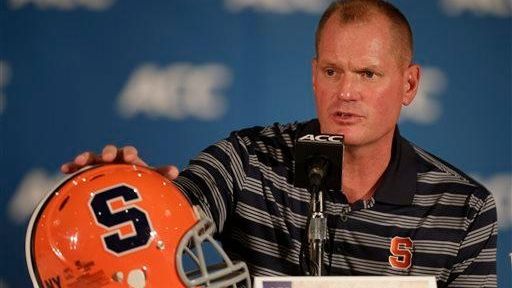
[(345, 89)]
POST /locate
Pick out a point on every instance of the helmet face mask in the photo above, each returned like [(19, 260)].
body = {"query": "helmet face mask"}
[(120, 225), (225, 274)]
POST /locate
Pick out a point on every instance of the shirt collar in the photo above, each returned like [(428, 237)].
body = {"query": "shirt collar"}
[(398, 183)]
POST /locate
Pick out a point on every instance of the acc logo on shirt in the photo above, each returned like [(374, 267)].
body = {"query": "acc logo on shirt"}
[(401, 249)]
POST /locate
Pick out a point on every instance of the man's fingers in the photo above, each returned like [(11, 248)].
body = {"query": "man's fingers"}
[(140, 162), (129, 154), (86, 158), (169, 171), (69, 167), (109, 153), (126, 154)]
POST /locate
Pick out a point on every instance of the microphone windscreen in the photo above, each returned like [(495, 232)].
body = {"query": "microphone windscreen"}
[(312, 148)]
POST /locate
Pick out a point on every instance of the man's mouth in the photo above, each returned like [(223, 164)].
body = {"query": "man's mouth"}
[(347, 117), (345, 114)]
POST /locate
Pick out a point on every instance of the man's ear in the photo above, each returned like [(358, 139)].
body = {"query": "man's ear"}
[(411, 82)]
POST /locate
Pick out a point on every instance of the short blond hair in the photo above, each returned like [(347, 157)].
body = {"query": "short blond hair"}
[(353, 11)]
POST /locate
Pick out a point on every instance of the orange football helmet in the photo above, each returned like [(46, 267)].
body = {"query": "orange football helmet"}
[(121, 225)]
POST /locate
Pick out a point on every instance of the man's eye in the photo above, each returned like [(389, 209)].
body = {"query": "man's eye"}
[(330, 72), (368, 74)]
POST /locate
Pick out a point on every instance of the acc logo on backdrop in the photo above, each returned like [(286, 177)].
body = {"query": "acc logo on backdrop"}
[(97, 5), (5, 77), (500, 186), (426, 108), (29, 192), (278, 6), (178, 91), (500, 8)]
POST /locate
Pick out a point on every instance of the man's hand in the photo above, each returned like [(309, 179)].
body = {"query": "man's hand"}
[(113, 154)]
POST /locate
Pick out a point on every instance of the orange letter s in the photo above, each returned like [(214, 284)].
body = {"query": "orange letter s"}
[(401, 249)]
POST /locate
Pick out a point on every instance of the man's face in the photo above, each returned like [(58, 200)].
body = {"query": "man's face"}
[(359, 83)]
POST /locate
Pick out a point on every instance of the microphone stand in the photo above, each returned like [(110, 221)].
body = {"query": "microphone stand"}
[(317, 228)]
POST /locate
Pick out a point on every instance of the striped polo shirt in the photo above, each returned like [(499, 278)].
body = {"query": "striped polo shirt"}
[(425, 218)]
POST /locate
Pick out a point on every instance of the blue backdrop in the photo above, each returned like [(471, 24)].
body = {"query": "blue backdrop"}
[(171, 77)]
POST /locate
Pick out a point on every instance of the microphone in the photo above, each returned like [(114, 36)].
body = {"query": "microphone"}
[(318, 161)]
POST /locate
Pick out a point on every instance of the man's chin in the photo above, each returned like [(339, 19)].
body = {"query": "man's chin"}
[(337, 130), (351, 137)]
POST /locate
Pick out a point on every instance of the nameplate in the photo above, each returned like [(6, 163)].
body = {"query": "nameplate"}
[(346, 282)]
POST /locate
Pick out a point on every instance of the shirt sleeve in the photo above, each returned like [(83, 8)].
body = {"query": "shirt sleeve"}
[(476, 260), (215, 177)]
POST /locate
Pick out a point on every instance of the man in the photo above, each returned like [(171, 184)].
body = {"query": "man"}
[(401, 210)]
